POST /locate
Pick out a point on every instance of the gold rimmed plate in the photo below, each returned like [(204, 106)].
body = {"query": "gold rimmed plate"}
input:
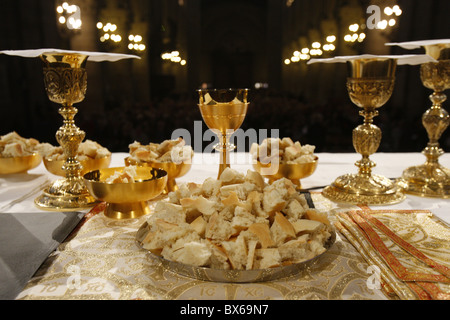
[(13, 165), (233, 276)]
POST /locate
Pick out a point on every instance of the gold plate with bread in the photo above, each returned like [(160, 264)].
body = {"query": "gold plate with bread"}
[(236, 229)]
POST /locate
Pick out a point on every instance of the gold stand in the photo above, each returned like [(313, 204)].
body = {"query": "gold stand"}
[(370, 86), (65, 80), (224, 112), (432, 179)]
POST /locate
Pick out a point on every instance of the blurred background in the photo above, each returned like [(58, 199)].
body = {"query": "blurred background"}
[(184, 45)]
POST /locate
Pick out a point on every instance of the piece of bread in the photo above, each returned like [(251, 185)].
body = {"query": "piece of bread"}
[(307, 226), (199, 225), (281, 229), (262, 232), (267, 258)]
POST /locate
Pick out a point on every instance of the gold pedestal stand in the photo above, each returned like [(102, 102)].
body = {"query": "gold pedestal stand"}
[(65, 80), (432, 179), (370, 86)]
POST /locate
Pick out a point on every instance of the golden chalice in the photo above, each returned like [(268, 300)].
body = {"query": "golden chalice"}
[(65, 80), (370, 86), (432, 179), (223, 111), (127, 200)]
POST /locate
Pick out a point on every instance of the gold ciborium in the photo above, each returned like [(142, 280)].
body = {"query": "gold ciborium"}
[(128, 200), (223, 111), (432, 179), (292, 171), (370, 85), (65, 81)]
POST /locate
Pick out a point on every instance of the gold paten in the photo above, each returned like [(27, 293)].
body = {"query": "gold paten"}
[(293, 172), (174, 171), (370, 86), (65, 81), (223, 111), (12, 165), (432, 179), (55, 166), (126, 200)]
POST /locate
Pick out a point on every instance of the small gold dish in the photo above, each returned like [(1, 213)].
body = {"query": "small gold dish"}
[(174, 170), (293, 172), (55, 166), (13, 165), (126, 200)]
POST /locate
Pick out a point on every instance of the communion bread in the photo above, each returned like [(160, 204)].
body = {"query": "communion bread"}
[(86, 150), (168, 151), (236, 222), (126, 176), (14, 145), (286, 150)]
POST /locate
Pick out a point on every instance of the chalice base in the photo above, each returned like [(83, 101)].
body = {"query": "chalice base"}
[(123, 211), (430, 180), (364, 189), (65, 195)]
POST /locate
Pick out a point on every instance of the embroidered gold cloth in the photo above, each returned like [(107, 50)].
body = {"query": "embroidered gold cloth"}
[(101, 260)]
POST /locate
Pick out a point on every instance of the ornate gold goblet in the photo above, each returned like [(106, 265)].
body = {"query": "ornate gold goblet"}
[(65, 81), (223, 111), (432, 179), (370, 86)]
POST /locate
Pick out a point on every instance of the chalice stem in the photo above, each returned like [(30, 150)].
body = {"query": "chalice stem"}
[(69, 136), (225, 156)]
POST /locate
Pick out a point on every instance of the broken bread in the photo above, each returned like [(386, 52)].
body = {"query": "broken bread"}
[(237, 222)]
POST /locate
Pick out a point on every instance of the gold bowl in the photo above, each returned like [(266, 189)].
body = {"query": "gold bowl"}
[(12, 165), (174, 170), (126, 200), (55, 166), (293, 172)]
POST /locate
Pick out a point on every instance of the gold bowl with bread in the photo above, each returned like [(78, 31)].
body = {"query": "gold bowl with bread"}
[(91, 155), (172, 156), (282, 158), (11, 165), (18, 154), (237, 228), (126, 190)]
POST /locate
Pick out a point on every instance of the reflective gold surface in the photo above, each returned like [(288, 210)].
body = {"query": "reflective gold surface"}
[(233, 276), (370, 86), (126, 200), (19, 164), (293, 172), (174, 171), (223, 111), (432, 179), (65, 80), (55, 166)]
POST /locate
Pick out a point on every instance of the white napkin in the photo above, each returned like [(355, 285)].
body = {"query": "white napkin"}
[(401, 59), (411, 45), (93, 56)]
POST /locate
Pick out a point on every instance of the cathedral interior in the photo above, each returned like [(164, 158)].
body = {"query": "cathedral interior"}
[(184, 45)]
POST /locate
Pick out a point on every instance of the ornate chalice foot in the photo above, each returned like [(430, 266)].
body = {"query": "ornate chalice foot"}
[(432, 179), (65, 82), (370, 86)]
